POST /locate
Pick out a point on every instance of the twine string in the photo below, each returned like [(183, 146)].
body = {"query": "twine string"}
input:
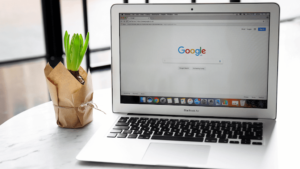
[(83, 105)]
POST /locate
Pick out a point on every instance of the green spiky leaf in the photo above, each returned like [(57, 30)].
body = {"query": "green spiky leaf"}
[(84, 48), (68, 54), (75, 50)]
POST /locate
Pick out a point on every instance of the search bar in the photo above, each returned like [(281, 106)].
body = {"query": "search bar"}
[(138, 18), (193, 61)]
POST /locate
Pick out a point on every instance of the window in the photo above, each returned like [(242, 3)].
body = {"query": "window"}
[(21, 30)]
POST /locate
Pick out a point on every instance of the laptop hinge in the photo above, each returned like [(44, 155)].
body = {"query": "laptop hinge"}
[(215, 117)]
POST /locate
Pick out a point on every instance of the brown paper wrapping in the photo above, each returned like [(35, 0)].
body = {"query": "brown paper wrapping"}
[(68, 96)]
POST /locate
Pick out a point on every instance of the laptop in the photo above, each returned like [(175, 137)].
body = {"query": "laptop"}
[(193, 85)]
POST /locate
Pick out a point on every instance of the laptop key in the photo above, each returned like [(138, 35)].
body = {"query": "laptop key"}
[(154, 129), (194, 131), (165, 129), (226, 132), (159, 133), (153, 118), (111, 135), (147, 133), (175, 138), (175, 130), (246, 123), (116, 131), (200, 135), (245, 141), (175, 126), (185, 130), (245, 129), (223, 140), (138, 132), (168, 134), (194, 121), (185, 126), (122, 120), (258, 133), (189, 135), (204, 121), (257, 143), (179, 134), (211, 135), (134, 128), (145, 128), (222, 136), (238, 132), (121, 127), (257, 129), (234, 142), (232, 136), (122, 135), (144, 137), (257, 125), (216, 132), (236, 122), (127, 131), (211, 140), (152, 122), (206, 131), (144, 125), (122, 124), (132, 136), (256, 138), (134, 118), (134, 124)]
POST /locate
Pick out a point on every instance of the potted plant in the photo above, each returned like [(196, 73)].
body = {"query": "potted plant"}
[(71, 89)]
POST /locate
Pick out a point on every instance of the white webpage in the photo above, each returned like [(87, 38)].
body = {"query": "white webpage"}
[(194, 58)]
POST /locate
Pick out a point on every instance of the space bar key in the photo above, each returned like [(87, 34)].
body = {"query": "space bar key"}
[(199, 139)]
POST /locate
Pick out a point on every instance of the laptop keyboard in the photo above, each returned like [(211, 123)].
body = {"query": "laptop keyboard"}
[(232, 132)]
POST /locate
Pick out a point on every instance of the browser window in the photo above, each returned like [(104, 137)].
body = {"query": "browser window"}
[(204, 59)]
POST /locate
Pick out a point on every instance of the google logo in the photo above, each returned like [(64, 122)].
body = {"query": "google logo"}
[(197, 52)]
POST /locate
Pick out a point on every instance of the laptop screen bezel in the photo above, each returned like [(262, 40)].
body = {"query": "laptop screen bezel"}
[(269, 113)]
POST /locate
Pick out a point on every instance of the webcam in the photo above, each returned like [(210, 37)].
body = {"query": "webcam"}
[(191, 9)]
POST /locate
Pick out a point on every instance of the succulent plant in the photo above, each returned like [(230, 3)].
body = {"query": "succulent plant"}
[(75, 50)]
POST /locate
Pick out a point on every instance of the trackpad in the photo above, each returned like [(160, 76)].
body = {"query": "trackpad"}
[(162, 153)]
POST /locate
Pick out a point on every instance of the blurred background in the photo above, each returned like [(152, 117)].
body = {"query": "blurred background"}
[(31, 34)]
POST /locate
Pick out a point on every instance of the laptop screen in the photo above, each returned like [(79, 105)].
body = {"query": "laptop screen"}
[(199, 59)]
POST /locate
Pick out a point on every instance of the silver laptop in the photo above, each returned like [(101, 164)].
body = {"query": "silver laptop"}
[(193, 85)]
